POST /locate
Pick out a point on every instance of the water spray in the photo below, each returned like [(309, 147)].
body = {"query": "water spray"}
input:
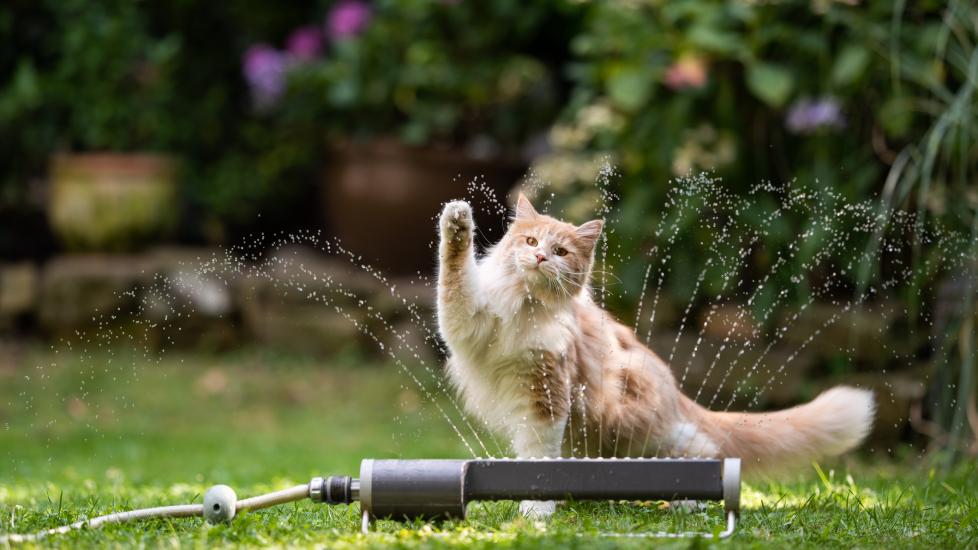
[(442, 489)]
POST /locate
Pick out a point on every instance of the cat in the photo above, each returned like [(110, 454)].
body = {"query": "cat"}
[(541, 363)]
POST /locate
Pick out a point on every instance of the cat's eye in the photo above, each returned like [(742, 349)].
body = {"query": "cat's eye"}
[(560, 251), (531, 241)]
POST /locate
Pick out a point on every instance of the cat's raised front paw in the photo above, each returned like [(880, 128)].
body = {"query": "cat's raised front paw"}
[(537, 509), (456, 221)]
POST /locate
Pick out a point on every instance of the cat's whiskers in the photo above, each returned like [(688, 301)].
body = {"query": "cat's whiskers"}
[(602, 272), (559, 284)]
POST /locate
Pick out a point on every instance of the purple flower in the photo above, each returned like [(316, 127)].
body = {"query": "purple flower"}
[(264, 69), (807, 116), (305, 43), (347, 18)]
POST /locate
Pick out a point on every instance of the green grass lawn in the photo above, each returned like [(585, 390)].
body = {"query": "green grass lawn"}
[(82, 435)]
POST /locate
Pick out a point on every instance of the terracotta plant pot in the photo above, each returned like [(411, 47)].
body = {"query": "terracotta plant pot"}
[(112, 201), (383, 199)]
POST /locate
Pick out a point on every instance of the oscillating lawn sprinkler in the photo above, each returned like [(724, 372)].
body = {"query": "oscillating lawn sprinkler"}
[(441, 489)]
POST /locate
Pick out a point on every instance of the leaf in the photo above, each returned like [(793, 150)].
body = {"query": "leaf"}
[(23, 93), (771, 83), (850, 65), (630, 88), (712, 39), (343, 93), (896, 116)]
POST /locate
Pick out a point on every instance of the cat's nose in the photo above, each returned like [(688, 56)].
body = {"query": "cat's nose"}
[(540, 257)]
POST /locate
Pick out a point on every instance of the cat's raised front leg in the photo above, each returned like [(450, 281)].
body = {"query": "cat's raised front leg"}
[(457, 292)]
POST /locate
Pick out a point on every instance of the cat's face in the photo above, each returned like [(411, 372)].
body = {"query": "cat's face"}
[(550, 256)]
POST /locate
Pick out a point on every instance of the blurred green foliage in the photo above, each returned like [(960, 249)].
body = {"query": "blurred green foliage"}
[(90, 76), (82, 76), (127, 76), (834, 95), (867, 100), (665, 87), (167, 76), (443, 72)]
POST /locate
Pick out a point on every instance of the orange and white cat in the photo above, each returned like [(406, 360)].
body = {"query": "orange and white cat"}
[(541, 363)]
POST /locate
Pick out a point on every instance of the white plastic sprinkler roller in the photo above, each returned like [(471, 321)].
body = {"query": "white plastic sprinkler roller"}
[(441, 489), (220, 504)]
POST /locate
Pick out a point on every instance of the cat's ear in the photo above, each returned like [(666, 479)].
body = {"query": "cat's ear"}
[(524, 210), (589, 233)]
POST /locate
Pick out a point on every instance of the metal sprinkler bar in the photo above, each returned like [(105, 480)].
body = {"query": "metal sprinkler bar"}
[(439, 489)]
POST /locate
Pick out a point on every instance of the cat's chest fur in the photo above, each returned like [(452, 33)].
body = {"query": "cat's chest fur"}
[(510, 324), (527, 333), (496, 370)]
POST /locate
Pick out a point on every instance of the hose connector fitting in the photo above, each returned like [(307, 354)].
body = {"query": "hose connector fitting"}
[(332, 490)]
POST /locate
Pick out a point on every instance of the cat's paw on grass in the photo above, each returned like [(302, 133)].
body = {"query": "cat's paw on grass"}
[(537, 509)]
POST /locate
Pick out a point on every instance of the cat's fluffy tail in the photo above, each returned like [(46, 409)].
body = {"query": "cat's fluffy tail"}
[(833, 423)]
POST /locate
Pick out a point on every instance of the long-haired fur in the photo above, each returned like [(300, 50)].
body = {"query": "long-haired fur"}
[(537, 360)]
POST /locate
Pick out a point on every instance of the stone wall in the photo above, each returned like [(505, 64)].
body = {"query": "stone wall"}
[(297, 299)]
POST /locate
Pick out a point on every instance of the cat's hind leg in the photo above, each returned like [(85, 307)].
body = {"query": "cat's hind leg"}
[(538, 440), (537, 509)]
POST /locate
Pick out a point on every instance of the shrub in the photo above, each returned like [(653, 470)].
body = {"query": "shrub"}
[(823, 93), (428, 72)]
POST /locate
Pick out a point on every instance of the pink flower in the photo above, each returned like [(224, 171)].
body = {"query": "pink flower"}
[(305, 43), (689, 71), (264, 69), (347, 18)]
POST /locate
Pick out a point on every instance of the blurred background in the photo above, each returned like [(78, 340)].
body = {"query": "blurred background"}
[(176, 178)]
